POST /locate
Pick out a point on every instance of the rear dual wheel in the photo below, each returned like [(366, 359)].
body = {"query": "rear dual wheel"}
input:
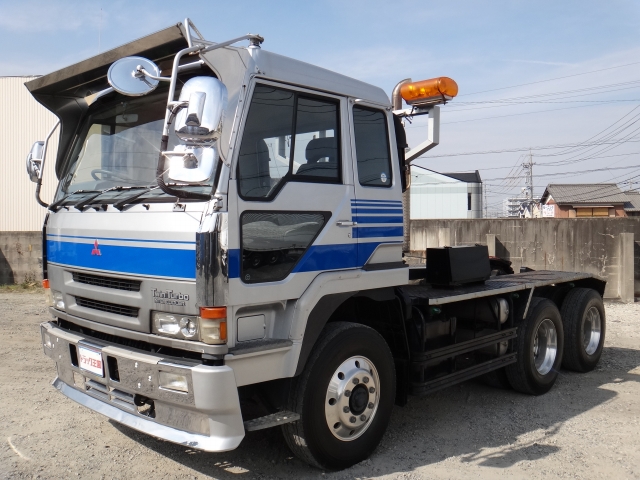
[(584, 329), (539, 345)]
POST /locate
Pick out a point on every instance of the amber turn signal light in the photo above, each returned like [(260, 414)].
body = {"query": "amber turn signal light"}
[(45, 283), (213, 313), (432, 91)]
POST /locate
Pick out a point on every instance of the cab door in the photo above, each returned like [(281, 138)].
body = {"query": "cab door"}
[(291, 197), (377, 208)]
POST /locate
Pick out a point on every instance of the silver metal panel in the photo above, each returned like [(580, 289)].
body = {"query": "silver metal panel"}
[(251, 328), (61, 279), (214, 443), (207, 418)]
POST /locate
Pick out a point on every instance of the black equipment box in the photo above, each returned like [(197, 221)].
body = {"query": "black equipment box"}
[(452, 266)]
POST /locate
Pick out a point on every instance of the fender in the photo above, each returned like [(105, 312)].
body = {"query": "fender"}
[(325, 294)]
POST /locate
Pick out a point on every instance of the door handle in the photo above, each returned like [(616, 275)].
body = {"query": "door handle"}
[(346, 224)]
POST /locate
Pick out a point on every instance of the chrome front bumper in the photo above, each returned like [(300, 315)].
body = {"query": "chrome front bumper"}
[(207, 417)]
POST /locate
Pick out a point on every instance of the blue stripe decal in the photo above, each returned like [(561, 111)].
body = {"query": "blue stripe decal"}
[(321, 257), (370, 232), (328, 257), (160, 262), (377, 219), (53, 236), (374, 210), (376, 201), (234, 262), (374, 205)]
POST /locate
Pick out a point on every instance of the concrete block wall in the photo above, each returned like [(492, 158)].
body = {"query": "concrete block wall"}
[(604, 246), (20, 257)]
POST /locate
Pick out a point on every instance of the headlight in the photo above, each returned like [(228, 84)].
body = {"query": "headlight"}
[(174, 325), (57, 300), (173, 381)]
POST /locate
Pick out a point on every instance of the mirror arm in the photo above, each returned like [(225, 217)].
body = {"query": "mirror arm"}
[(41, 172)]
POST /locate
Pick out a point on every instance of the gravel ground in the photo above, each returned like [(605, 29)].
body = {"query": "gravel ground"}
[(586, 427)]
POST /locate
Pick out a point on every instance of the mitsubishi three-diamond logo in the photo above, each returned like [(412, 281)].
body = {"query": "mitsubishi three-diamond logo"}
[(96, 250)]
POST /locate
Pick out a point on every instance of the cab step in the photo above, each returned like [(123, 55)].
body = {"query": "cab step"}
[(273, 420)]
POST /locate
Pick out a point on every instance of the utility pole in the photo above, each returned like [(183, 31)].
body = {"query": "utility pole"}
[(485, 202), (528, 169)]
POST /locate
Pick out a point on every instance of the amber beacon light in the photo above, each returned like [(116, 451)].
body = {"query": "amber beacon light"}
[(432, 91)]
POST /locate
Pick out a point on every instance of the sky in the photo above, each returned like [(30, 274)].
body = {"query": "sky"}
[(532, 75)]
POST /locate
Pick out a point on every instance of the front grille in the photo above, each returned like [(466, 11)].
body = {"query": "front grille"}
[(107, 307), (108, 282)]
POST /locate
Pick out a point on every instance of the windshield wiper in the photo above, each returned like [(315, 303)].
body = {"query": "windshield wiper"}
[(56, 205), (127, 200), (88, 200)]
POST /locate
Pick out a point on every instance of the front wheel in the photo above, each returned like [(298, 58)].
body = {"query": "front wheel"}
[(539, 345), (344, 397)]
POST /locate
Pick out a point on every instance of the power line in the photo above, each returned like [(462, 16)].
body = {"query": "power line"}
[(522, 149), (551, 79)]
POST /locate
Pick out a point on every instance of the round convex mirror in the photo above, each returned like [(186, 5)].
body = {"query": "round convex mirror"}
[(126, 78)]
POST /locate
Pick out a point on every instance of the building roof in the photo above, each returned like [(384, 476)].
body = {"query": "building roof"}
[(466, 177), (585, 194), (633, 201)]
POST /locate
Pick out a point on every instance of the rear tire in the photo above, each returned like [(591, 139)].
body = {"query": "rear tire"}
[(539, 346), (336, 429), (584, 329)]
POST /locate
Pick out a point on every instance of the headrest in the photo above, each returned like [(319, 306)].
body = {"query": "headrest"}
[(320, 148)]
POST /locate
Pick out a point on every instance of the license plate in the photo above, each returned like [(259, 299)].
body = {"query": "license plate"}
[(90, 360)]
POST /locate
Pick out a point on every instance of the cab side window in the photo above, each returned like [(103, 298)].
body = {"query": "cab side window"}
[(372, 147), (288, 136)]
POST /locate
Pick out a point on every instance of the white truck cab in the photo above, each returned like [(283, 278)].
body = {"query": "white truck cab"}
[(228, 225)]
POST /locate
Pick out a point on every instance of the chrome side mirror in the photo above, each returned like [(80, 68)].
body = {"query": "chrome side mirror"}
[(34, 161), (191, 164), (205, 99), (134, 76)]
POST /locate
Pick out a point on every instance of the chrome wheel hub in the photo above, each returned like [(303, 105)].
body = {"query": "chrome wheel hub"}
[(352, 398), (591, 330), (545, 346)]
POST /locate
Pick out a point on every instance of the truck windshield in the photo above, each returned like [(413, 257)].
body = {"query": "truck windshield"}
[(118, 146)]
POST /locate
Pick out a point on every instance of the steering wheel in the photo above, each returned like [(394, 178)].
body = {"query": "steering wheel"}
[(109, 174)]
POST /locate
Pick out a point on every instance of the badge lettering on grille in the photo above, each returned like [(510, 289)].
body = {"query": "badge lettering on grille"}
[(169, 297)]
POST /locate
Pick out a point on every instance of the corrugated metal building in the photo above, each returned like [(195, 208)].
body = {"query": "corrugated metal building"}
[(445, 195), (22, 122)]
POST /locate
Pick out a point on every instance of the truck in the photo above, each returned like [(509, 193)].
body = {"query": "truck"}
[(224, 253)]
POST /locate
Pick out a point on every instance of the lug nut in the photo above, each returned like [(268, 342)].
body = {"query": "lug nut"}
[(345, 409), (370, 405), (347, 393), (356, 381), (363, 417), (365, 379), (371, 390), (352, 419)]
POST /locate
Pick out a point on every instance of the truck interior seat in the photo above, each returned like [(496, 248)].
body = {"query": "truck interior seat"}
[(317, 150)]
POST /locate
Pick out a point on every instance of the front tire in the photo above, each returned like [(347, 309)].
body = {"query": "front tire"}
[(540, 345), (584, 328), (344, 396)]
